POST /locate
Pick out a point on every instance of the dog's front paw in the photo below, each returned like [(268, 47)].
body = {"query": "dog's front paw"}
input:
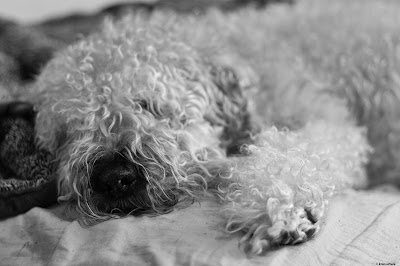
[(298, 228), (295, 225)]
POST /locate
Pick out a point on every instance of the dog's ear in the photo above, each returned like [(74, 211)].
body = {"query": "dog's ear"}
[(240, 125), (227, 81)]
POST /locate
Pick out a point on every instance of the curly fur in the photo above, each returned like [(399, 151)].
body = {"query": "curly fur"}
[(174, 96), (138, 93), (288, 177)]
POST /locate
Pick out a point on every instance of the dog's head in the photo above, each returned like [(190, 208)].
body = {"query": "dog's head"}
[(133, 120)]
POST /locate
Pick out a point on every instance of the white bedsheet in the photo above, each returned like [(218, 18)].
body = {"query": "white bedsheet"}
[(360, 228)]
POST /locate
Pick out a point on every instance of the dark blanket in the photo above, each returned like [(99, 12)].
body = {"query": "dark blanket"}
[(26, 171)]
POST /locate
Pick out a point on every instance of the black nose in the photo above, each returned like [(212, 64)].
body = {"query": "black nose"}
[(116, 177)]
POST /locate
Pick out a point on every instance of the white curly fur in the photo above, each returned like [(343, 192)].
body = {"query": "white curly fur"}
[(90, 105), (286, 174)]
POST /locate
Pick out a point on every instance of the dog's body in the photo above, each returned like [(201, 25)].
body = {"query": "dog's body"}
[(146, 112)]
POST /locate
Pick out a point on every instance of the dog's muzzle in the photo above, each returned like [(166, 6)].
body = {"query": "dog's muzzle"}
[(116, 177)]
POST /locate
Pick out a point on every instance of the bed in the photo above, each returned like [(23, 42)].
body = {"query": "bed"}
[(360, 228)]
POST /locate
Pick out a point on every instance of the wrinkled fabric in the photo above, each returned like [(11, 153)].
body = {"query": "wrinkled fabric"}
[(360, 228)]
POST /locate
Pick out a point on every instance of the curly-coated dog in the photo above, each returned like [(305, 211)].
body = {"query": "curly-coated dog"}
[(152, 110)]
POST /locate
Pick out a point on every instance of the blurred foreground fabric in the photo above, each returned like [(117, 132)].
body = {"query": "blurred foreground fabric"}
[(360, 228)]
